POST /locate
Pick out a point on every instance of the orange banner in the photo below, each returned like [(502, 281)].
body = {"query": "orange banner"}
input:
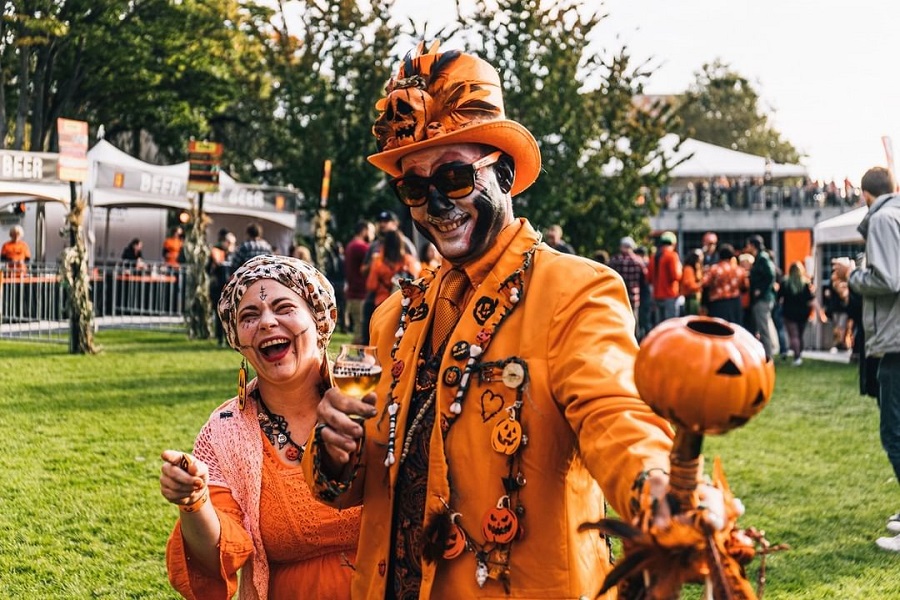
[(797, 247)]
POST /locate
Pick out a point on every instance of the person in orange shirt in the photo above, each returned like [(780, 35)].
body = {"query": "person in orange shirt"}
[(172, 247), (664, 273), (724, 282), (389, 265), (15, 253), (243, 503)]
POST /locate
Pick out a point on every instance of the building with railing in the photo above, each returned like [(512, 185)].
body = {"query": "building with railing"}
[(785, 216)]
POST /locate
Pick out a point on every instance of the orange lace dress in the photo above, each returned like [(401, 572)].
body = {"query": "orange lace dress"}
[(306, 549)]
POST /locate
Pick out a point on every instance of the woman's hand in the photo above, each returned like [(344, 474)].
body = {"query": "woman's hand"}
[(341, 421), (183, 479)]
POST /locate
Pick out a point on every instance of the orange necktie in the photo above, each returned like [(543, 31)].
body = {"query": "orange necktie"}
[(448, 306)]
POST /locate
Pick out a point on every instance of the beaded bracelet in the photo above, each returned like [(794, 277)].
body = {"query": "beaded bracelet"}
[(330, 489), (637, 488), (196, 504)]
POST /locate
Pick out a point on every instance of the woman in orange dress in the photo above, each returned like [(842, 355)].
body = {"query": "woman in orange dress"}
[(244, 503)]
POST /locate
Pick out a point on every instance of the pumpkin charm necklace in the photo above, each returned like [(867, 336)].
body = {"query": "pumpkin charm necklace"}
[(275, 429), (500, 524), (510, 293)]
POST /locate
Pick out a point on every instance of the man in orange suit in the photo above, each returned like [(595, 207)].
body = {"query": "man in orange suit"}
[(507, 410)]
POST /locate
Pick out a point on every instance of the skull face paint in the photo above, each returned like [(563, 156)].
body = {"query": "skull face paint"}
[(461, 229)]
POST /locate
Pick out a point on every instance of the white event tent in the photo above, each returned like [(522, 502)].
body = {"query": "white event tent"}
[(130, 198), (120, 180), (702, 160), (28, 176), (840, 229)]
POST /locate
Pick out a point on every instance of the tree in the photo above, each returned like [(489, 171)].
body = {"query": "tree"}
[(332, 68), (297, 95), (596, 144), (722, 107), (148, 70)]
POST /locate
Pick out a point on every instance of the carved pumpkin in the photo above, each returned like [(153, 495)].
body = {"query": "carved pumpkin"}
[(408, 111), (456, 541), (499, 525), (703, 374), (507, 436)]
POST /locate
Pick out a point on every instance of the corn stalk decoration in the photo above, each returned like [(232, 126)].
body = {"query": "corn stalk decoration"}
[(198, 312), (76, 283)]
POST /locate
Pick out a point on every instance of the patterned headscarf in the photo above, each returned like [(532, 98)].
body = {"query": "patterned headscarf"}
[(293, 273)]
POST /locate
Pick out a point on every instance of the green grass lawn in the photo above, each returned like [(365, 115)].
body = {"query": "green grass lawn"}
[(82, 516)]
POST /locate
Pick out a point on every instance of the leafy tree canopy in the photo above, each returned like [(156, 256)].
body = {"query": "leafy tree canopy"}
[(723, 108), (301, 90), (596, 143)]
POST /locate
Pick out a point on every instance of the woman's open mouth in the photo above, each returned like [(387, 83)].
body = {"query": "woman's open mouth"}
[(275, 348)]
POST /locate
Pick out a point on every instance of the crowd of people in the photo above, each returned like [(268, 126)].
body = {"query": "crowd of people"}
[(740, 286), (758, 193)]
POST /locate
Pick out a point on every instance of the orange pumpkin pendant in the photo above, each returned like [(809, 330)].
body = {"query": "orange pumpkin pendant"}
[(456, 540), (242, 385), (500, 524), (507, 435)]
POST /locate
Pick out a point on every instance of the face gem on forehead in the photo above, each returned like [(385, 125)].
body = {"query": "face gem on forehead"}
[(262, 293)]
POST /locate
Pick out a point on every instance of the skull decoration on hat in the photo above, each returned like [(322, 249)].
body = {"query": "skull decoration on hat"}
[(422, 85)]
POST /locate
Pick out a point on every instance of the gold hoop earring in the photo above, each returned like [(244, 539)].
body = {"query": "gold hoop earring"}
[(325, 381), (242, 385)]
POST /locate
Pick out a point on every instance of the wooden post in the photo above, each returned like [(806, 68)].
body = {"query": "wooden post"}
[(75, 346)]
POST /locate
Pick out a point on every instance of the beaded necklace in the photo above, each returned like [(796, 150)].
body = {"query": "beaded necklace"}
[(492, 557), (275, 428), (509, 294)]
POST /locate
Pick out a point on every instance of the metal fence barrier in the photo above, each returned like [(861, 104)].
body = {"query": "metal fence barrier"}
[(34, 303)]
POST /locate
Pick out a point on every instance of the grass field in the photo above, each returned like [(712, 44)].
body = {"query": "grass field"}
[(82, 516)]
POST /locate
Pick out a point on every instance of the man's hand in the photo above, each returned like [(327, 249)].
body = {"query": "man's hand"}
[(711, 499), (341, 419)]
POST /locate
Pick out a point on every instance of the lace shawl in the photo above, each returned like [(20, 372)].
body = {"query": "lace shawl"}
[(231, 446)]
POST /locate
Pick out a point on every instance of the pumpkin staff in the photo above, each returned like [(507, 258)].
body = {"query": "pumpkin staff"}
[(734, 384)]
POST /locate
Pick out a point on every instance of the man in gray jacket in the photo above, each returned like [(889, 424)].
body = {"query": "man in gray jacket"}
[(878, 282)]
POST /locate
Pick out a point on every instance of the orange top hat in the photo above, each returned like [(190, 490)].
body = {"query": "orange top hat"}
[(436, 99)]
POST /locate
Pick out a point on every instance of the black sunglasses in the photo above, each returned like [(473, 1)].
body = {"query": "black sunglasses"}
[(452, 180)]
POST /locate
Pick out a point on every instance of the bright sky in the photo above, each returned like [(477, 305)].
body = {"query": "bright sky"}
[(826, 70)]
